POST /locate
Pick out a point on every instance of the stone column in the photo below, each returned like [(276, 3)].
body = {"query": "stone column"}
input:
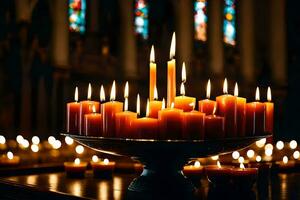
[(60, 34), (278, 41), (127, 41), (215, 36), (246, 14)]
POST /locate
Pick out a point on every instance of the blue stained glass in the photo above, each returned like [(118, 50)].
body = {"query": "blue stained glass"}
[(141, 20), (77, 13), (200, 19), (229, 29)]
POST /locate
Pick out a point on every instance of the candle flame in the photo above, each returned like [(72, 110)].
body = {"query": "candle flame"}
[(172, 105), (89, 95), (257, 95), (77, 161), (105, 161), (94, 109), (269, 95), (219, 164), (147, 108), (10, 155), (138, 109), (152, 55), (113, 91), (183, 73), (285, 159), (242, 166), (208, 89), (95, 158), (197, 164), (126, 104), (102, 94), (155, 93), (236, 90), (76, 94), (126, 90), (173, 46), (163, 105), (182, 89), (225, 86)]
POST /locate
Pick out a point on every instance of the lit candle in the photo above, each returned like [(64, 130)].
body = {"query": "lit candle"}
[(170, 123), (146, 128), (214, 126), (171, 88), (93, 123), (76, 168), (183, 102), (269, 112), (155, 105), (109, 110), (244, 177), (73, 115), (227, 109), (103, 168), (193, 125), (86, 108), (217, 173), (207, 106), (240, 112), (193, 170), (255, 116), (124, 120), (152, 79), (102, 96), (9, 159)]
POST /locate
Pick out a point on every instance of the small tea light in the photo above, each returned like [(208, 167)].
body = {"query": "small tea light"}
[(218, 174), (103, 168), (193, 170), (285, 163), (244, 177), (76, 168), (9, 159)]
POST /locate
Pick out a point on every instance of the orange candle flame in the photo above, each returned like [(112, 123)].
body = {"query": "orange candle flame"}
[(126, 90), (225, 86), (208, 89), (173, 46), (138, 109), (147, 108), (257, 95), (89, 95), (77, 161), (76, 94), (236, 90), (152, 55), (113, 92), (106, 161), (182, 89), (155, 93), (163, 105), (183, 73), (102, 94), (269, 95)]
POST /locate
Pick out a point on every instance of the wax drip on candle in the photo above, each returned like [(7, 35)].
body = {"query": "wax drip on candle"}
[(152, 55), (214, 110), (89, 95), (77, 161), (257, 95), (102, 94), (182, 89), (76, 94), (138, 109), (155, 93), (236, 90), (147, 108), (225, 86), (269, 95), (173, 46), (208, 89), (163, 105), (113, 92)]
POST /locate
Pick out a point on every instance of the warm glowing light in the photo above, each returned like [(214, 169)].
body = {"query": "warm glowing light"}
[(19, 139), (225, 86), (76, 94), (236, 90), (89, 95), (102, 94), (241, 159), (296, 155), (126, 104), (268, 152), (163, 105), (79, 149), (172, 105), (269, 146), (293, 144), (235, 155), (257, 94), (173, 46), (269, 95), (105, 161), (95, 158), (51, 140), (94, 109), (25, 143), (147, 108), (285, 159), (183, 73), (215, 157), (113, 92), (152, 55), (56, 144), (77, 161), (208, 89), (279, 145), (182, 89), (126, 90), (2, 139), (261, 143), (138, 105), (258, 158), (197, 164), (250, 153), (219, 164), (34, 148), (10, 155), (242, 166), (68, 140), (155, 93), (35, 140)]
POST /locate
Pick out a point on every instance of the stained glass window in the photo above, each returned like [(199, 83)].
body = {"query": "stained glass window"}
[(229, 29), (77, 12), (200, 19), (141, 20)]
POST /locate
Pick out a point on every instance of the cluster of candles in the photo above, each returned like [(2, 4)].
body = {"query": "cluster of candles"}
[(228, 116)]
